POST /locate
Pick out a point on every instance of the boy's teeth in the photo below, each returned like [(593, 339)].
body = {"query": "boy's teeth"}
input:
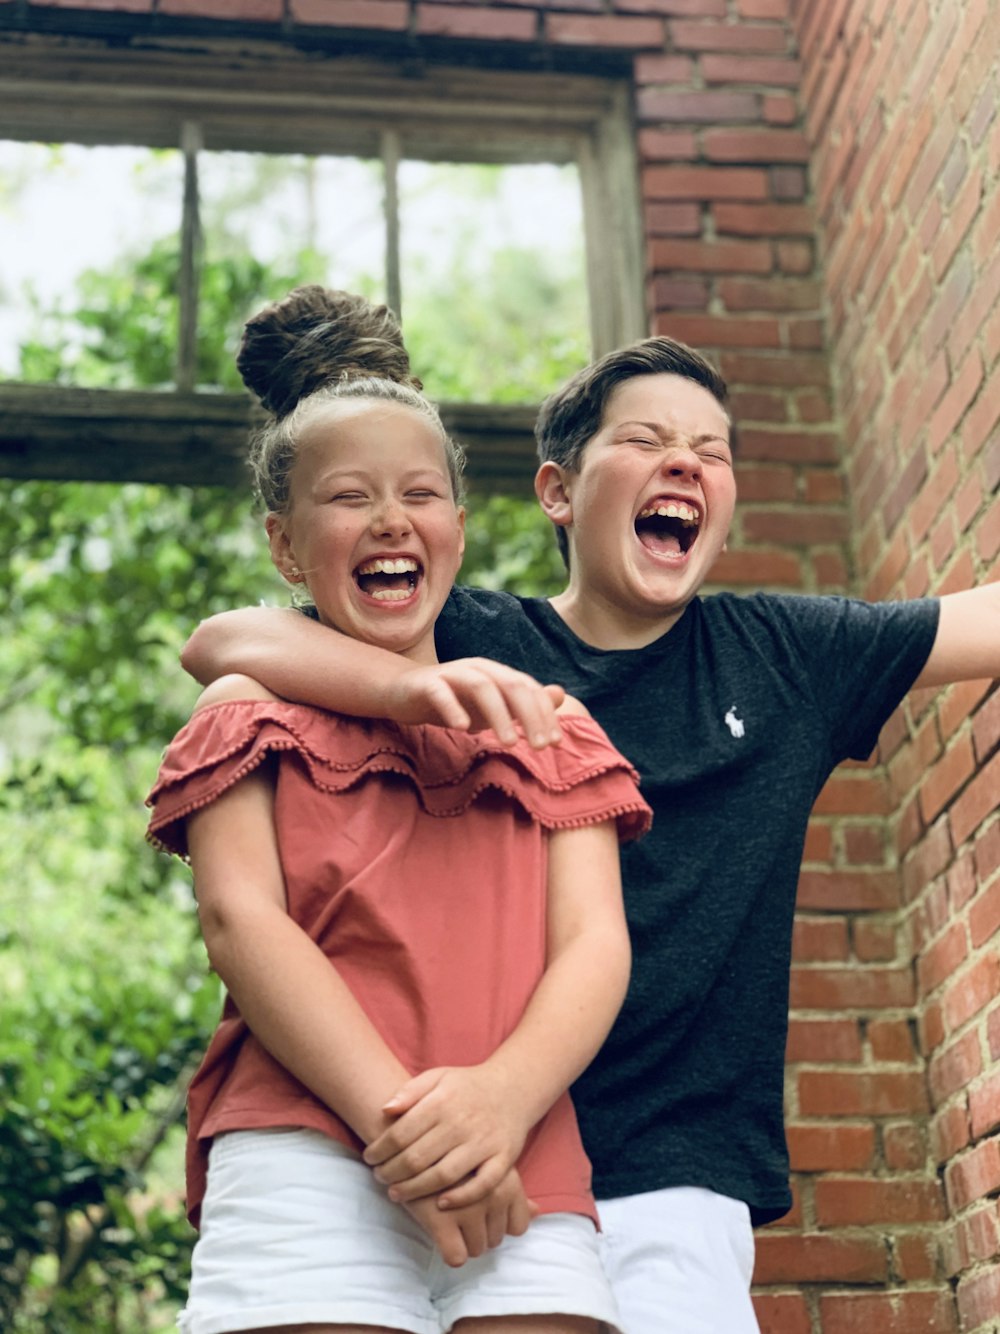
[(400, 566), (670, 510)]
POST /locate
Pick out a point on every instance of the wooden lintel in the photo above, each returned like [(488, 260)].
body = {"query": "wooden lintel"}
[(199, 438)]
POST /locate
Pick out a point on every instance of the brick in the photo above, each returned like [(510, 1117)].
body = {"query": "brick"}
[(952, 407), (891, 1040), (818, 1258), (764, 569), (851, 988), (703, 183), (765, 482), (847, 1202), (950, 1132), (787, 182), (830, 571), (675, 8), (819, 940), (852, 793), (843, 1093), (977, 802), (448, 20), (603, 30), (953, 1067), (721, 331), (385, 15), (124, 6), (255, 11), (961, 883), (874, 941), (984, 1106), (763, 219), (916, 1256), (899, 1312), (696, 107), (775, 294), (668, 293), (942, 959), (796, 257), (711, 256), (843, 1147), (959, 221), (673, 219), (762, 9), (770, 70), (848, 891), (758, 145), (905, 1147), (790, 372), (948, 776), (972, 991), (987, 857), (795, 528), (984, 915), (661, 68), (777, 445), (737, 37), (979, 1298), (781, 1313), (827, 488), (822, 1041), (672, 145)]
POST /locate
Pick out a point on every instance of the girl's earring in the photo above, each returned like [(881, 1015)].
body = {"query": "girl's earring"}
[(296, 570)]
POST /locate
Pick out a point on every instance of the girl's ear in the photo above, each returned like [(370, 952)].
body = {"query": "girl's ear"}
[(282, 554), (461, 533), (553, 493)]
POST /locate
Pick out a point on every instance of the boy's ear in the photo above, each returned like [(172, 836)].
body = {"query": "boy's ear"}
[(552, 493), (282, 555)]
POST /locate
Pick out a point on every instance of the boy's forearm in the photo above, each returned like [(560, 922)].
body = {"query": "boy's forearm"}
[(296, 657)]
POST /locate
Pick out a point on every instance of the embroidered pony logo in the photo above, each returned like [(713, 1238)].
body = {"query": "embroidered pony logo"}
[(734, 724)]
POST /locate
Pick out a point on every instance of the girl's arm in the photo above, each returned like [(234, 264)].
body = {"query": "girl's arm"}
[(289, 993), (300, 659), (460, 1120), (967, 644)]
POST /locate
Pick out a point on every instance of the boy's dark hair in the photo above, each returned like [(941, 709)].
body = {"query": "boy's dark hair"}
[(572, 416)]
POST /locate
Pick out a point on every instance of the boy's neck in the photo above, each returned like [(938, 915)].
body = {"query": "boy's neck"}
[(606, 626)]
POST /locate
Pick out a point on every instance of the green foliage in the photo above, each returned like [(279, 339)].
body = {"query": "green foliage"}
[(104, 991)]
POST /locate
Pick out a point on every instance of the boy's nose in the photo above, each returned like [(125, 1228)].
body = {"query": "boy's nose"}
[(682, 462)]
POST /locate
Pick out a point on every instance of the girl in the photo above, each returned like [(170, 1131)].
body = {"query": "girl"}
[(410, 921)]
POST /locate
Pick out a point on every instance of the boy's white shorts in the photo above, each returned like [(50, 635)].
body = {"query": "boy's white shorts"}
[(680, 1261), (296, 1230)]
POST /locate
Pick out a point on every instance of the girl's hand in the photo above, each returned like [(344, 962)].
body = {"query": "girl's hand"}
[(472, 694), (460, 1234), (457, 1124)]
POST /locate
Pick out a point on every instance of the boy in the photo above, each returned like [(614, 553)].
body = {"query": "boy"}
[(734, 710)]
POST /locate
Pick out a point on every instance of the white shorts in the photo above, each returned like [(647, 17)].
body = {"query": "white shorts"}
[(680, 1261), (296, 1230)]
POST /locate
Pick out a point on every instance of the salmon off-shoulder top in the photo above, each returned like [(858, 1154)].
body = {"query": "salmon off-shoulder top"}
[(415, 858)]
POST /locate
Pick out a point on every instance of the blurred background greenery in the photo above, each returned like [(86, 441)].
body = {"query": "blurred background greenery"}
[(104, 990)]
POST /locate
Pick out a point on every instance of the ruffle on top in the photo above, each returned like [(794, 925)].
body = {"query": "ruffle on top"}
[(582, 781)]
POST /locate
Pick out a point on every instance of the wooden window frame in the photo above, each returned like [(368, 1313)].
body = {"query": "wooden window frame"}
[(273, 98)]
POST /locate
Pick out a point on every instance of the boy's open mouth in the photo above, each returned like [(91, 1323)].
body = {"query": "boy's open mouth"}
[(667, 527), (388, 580)]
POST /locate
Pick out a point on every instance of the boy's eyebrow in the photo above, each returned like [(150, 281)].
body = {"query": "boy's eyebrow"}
[(659, 429)]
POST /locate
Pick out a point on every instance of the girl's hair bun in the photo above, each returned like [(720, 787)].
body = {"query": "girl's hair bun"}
[(317, 336)]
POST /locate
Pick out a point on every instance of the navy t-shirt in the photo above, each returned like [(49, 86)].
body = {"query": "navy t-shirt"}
[(734, 719)]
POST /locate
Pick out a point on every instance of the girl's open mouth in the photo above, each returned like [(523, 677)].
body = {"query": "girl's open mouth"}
[(667, 527), (388, 579)]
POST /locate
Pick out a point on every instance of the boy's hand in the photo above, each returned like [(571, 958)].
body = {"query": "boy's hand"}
[(473, 694), (460, 1234), (458, 1131)]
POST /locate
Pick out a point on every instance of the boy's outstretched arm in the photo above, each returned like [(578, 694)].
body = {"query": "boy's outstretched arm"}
[(967, 644), (301, 660)]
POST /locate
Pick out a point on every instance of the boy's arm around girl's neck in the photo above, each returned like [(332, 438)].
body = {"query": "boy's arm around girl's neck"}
[(302, 660)]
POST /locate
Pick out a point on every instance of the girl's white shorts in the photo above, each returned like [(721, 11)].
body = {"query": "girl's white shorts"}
[(296, 1230)]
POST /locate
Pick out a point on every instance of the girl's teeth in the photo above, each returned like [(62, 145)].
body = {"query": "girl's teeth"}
[(391, 594)]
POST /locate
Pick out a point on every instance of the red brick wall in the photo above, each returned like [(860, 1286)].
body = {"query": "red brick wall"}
[(901, 101), (819, 187)]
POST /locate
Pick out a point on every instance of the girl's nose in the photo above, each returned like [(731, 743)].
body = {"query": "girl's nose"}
[(682, 462), (390, 519)]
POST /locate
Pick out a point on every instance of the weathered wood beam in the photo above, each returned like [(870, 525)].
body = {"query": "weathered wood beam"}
[(199, 439)]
